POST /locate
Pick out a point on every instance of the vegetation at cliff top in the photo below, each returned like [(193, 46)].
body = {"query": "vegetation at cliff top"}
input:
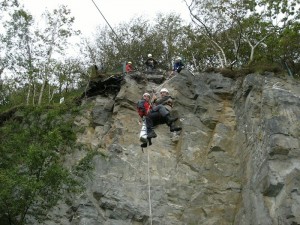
[(36, 67)]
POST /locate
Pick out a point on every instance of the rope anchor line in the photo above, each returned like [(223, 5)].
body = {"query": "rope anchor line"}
[(149, 189)]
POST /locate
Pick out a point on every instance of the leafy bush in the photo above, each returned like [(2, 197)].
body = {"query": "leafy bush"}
[(32, 177), (265, 66)]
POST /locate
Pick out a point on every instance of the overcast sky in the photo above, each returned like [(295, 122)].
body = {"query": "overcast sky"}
[(87, 17)]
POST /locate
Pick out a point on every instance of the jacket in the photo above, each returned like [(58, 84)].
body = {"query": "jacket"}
[(166, 101), (151, 62), (178, 66), (143, 107), (128, 68)]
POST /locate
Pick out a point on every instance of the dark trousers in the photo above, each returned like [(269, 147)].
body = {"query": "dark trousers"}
[(156, 116)]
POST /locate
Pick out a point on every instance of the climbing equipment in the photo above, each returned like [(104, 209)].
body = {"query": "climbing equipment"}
[(143, 133), (149, 190), (164, 90)]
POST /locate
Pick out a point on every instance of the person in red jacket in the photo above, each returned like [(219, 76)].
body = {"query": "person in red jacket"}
[(144, 105), (129, 67)]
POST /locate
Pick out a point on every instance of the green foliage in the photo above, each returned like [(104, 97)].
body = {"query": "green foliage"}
[(18, 96), (32, 177), (282, 10), (10, 100), (169, 29), (262, 66), (226, 72), (135, 40), (28, 54), (86, 163), (244, 31), (268, 68)]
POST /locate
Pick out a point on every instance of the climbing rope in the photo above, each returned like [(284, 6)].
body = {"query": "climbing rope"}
[(117, 40), (149, 189), (160, 86)]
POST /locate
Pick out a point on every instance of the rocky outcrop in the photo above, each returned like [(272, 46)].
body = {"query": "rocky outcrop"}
[(236, 161), (268, 124)]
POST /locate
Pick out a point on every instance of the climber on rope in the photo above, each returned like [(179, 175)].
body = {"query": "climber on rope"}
[(143, 108), (159, 113)]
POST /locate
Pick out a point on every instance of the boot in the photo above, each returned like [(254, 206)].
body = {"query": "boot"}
[(144, 145), (149, 141), (170, 120), (151, 134), (173, 127)]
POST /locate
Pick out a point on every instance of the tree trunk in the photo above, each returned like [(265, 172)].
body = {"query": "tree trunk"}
[(195, 62), (42, 92), (220, 59), (1, 71), (254, 46), (251, 53), (51, 95), (28, 95), (34, 93)]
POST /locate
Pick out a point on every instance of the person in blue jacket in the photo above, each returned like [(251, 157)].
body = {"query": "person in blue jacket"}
[(178, 65)]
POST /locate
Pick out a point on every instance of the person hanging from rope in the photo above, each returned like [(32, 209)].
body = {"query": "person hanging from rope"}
[(159, 113), (150, 63), (143, 108), (161, 109)]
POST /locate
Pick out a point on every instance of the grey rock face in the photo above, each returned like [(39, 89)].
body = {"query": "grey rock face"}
[(270, 124), (236, 160)]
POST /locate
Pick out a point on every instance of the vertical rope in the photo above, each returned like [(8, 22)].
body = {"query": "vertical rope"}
[(149, 191)]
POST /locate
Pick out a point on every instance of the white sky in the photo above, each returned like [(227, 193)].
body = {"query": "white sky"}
[(87, 17)]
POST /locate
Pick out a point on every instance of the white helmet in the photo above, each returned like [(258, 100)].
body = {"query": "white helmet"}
[(149, 55), (164, 90), (178, 58), (146, 94)]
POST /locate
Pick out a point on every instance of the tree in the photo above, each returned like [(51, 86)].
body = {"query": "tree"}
[(232, 25), (170, 31), (135, 40), (53, 40), (31, 53), (20, 44), (32, 177), (5, 8), (191, 47), (277, 11), (255, 33), (214, 18), (67, 75)]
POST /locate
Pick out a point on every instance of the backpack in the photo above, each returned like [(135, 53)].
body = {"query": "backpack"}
[(142, 111)]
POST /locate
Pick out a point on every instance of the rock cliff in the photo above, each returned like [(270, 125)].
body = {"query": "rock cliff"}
[(236, 161)]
